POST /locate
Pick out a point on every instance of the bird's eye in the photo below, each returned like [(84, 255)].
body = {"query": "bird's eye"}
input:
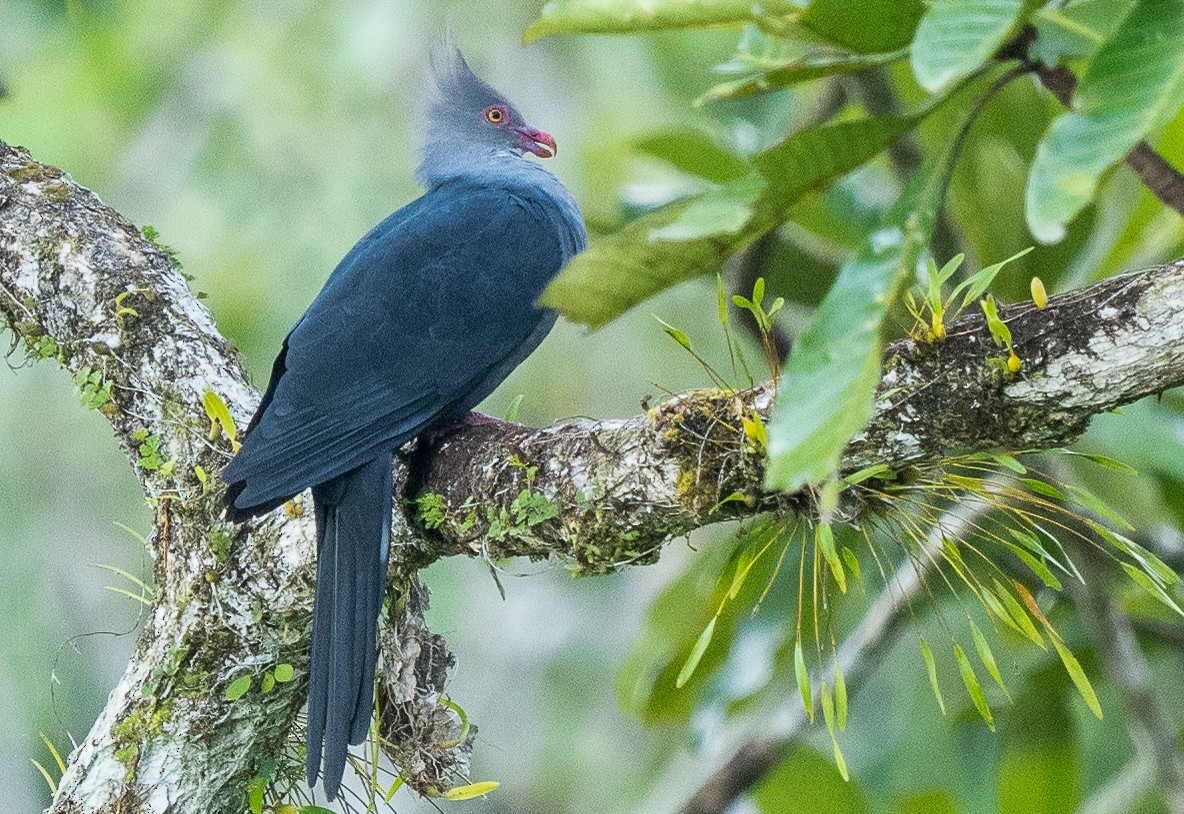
[(495, 115)]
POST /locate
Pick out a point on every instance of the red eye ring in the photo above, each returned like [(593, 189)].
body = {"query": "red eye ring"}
[(495, 114)]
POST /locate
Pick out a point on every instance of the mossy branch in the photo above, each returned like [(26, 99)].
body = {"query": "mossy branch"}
[(81, 285)]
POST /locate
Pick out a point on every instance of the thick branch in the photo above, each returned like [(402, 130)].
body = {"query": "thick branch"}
[(81, 285), (622, 488)]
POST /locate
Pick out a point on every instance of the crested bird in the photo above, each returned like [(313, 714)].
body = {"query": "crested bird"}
[(418, 323)]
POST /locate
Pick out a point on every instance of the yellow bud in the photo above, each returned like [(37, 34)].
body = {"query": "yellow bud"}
[(1014, 363), (1039, 295)]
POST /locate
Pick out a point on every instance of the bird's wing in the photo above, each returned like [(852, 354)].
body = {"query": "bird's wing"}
[(428, 311)]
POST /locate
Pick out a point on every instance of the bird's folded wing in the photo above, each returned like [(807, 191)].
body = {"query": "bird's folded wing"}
[(432, 305)]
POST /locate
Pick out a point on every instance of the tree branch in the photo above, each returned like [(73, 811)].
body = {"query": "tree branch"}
[(1155, 171), (81, 285)]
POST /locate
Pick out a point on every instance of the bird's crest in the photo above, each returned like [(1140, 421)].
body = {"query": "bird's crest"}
[(455, 138)]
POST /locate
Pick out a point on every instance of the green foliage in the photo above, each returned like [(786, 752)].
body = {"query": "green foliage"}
[(772, 73), (150, 459), (1133, 86), (151, 234), (694, 153), (872, 26), (621, 269), (955, 37), (239, 687), (221, 421), (529, 508), (95, 391), (431, 509), (835, 365), (85, 84)]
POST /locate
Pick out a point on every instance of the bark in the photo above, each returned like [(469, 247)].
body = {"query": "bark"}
[(81, 285)]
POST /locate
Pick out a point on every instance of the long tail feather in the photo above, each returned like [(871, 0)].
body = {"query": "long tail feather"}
[(353, 514)]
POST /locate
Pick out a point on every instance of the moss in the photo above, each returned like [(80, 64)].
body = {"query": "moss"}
[(431, 509), (705, 433), (220, 542), (141, 724), (33, 172), (128, 755), (58, 193)]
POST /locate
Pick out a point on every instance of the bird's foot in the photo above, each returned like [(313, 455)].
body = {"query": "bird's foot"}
[(476, 419)]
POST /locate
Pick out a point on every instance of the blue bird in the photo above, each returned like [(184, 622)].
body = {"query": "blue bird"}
[(419, 322)]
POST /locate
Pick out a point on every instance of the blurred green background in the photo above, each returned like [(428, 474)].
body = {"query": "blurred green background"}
[(262, 139)]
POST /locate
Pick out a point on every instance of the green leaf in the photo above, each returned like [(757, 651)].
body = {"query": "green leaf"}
[(998, 328), (255, 797), (53, 786), (284, 672), (316, 810), (1102, 460), (852, 563), (931, 668), (674, 333), (803, 678), (840, 697), (219, 413), (869, 26), (1039, 487), (824, 538), (695, 153), (471, 790), (882, 471), (622, 269), (986, 656), (829, 716), (1075, 29), (955, 38), (835, 365), (1145, 582), (724, 210), (1040, 569), (973, 687), (1153, 566), (981, 280), (1073, 667), (238, 688), (1096, 505), (993, 604), (1016, 612), (632, 16), (1011, 463), (796, 71), (1134, 85), (688, 667)]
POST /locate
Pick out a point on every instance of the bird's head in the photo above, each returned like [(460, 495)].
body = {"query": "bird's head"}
[(468, 120)]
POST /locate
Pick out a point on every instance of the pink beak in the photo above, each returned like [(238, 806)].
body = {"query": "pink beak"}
[(537, 142)]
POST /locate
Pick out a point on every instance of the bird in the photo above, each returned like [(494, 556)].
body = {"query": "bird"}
[(421, 320)]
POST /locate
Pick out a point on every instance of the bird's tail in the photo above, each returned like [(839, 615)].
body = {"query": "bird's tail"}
[(353, 514)]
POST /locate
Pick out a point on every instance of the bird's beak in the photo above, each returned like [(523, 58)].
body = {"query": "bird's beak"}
[(537, 142)]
